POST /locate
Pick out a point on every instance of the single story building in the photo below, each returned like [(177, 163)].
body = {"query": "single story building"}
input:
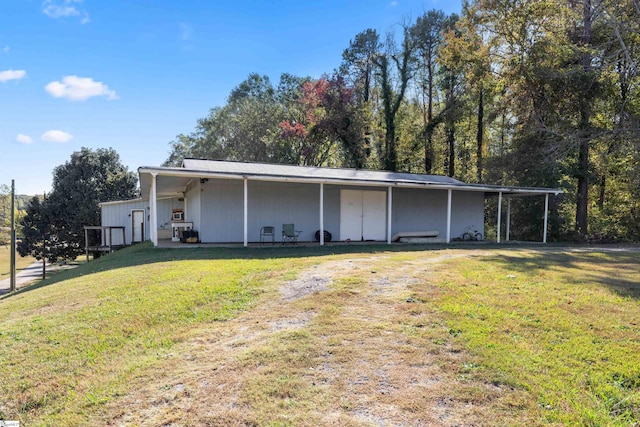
[(230, 202)]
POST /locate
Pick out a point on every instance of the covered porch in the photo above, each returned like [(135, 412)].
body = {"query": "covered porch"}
[(245, 198)]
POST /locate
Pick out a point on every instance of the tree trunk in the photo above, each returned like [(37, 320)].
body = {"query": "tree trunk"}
[(451, 166), (391, 100), (582, 199), (428, 150), (603, 186), (480, 134)]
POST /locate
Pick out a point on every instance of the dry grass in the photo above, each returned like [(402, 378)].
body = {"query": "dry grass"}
[(417, 338), (5, 260)]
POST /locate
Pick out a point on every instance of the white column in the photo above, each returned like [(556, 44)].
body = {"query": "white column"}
[(153, 204), (246, 216), (508, 219), (389, 210), (499, 216), (184, 205), (546, 215), (321, 214), (449, 194)]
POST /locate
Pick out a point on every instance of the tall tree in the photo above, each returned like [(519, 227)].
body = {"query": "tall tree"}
[(427, 34), (358, 62), (452, 73), (582, 40), (394, 70), (88, 178), (38, 238)]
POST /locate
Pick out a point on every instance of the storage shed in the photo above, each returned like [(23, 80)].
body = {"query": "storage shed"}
[(230, 202)]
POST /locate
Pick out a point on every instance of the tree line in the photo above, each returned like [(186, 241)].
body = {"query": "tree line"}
[(540, 93)]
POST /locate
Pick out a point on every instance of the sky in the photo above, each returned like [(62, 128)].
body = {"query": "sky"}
[(131, 75)]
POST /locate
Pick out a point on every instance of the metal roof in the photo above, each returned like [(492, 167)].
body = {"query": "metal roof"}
[(194, 168), (310, 172)]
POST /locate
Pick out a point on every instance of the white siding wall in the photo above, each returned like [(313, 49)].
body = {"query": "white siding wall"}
[(271, 204), (422, 210), (193, 208), (419, 210), (119, 214), (467, 209), (216, 209), (275, 204)]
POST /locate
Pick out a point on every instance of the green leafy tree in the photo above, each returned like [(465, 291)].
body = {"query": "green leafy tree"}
[(88, 178), (427, 34), (38, 238), (394, 70), (358, 63)]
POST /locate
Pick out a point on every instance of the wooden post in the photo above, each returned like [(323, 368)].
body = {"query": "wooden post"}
[(508, 231), (86, 243), (44, 244), (12, 264), (499, 216), (321, 214), (246, 214), (153, 205), (546, 215), (449, 195), (389, 212)]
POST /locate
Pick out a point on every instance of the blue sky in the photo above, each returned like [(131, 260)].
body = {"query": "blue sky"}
[(132, 75)]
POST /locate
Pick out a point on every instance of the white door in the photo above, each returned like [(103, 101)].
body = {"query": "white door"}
[(362, 215), (351, 215), (374, 215), (137, 226)]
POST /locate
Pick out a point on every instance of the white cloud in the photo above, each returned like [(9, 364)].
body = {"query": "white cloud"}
[(24, 139), (79, 89), (394, 3), (64, 9), (7, 75), (6, 49), (56, 136), (186, 31)]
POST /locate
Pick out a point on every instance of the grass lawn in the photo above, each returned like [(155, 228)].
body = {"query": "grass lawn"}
[(5, 260), (355, 336)]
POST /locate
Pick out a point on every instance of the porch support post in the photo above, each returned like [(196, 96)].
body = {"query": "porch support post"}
[(499, 226), (246, 216), (322, 214), (508, 219), (449, 194), (389, 210), (153, 221), (546, 216)]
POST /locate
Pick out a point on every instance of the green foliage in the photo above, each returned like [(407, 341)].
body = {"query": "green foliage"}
[(53, 229), (37, 233), (529, 93)]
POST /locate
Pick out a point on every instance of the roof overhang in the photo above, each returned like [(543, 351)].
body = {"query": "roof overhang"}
[(121, 202), (173, 182)]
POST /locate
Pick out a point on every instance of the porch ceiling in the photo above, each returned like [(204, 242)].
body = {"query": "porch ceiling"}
[(166, 186)]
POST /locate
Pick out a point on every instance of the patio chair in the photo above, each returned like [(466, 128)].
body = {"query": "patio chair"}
[(267, 232), (290, 234)]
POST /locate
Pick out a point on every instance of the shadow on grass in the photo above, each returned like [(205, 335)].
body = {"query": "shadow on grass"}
[(145, 253), (536, 257), (617, 268)]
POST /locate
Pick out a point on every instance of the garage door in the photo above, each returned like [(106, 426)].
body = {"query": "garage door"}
[(362, 215)]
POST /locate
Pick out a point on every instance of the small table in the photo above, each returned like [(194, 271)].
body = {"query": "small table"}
[(177, 228)]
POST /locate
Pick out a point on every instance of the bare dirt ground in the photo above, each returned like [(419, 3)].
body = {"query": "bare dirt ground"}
[(343, 344)]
